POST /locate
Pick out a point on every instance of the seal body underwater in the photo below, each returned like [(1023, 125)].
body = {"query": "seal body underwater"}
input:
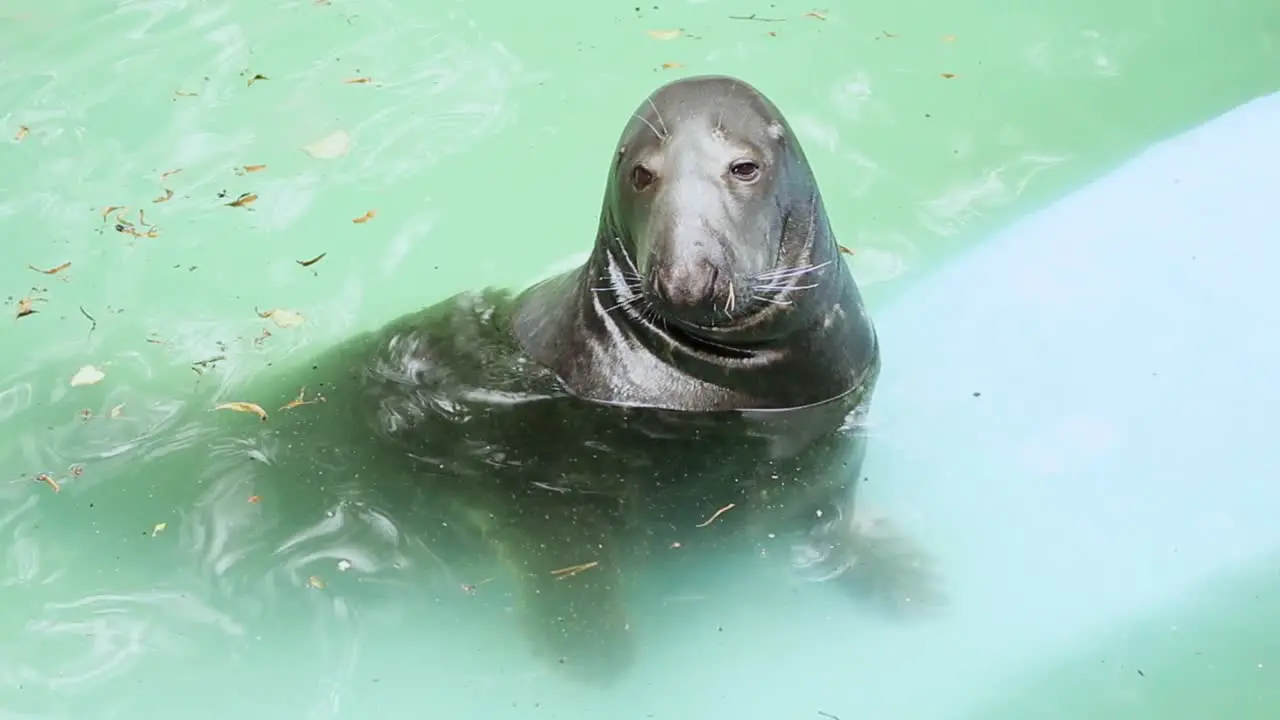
[(714, 349)]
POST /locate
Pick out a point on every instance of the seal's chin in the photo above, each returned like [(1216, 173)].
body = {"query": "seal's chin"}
[(709, 318)]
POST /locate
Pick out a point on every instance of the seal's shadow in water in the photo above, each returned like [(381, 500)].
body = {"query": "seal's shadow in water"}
[(712, 353)]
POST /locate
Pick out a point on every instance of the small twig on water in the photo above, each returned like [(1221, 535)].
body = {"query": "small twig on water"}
[(572, 570), (93, 323), (717, 514), (756, 18)]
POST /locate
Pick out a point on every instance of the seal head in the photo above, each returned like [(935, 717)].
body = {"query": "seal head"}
[(715, 282)]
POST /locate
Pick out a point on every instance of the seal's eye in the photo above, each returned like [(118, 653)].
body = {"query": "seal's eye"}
[(745, 170), (641, 178)]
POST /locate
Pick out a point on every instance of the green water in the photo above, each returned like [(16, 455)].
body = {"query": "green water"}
[(480, 145)]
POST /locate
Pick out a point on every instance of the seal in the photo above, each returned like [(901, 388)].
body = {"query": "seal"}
[(700, 382)]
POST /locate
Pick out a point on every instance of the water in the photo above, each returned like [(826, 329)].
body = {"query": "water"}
[(480, 146)]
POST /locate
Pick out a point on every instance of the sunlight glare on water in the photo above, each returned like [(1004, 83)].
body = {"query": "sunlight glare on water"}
[(422, 149)]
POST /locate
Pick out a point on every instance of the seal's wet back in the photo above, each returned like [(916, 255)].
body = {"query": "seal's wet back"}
[(713, 351)]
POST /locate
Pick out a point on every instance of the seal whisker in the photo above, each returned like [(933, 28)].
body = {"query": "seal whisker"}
[(783, 288), (658, 114), (623, 303), (641, 118), (787, 273), (774, 301), (635, 271)]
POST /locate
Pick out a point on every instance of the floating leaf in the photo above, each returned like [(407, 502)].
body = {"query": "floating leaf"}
[(256, 78), (315, 582), (845, 250), (948, 75), (665, 34), (331, 146), (312, 261), (243, 169), (159, 528), (302, 400), (25, 306), (255, 499), (358, 81), (671, 66), (365, 217), (183, 93), (245, 200), (166, 175), (244, 407), (51, 271), (166, 197), (87, 375), (47, 479), (283, 318), (817, 15), (23, 131)]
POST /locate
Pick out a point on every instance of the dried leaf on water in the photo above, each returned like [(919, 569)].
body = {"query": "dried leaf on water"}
[(817, 15), (256, 78), (572, 570), (166, 175), (51, 271), (106, 211), (243, 169), (245, 200), (47, 479), (255, 499), (302, 400), (282, 318), (358, 81), (365, 217), (334, 145), (844, 250), (166, 197), (948, 76), (312, 261), (183, 93), (159, 528), (315, 582), (244, 407), (672, 65), (87, 375), (23, 132), (25, 306), (716, 514), (665, 34)]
